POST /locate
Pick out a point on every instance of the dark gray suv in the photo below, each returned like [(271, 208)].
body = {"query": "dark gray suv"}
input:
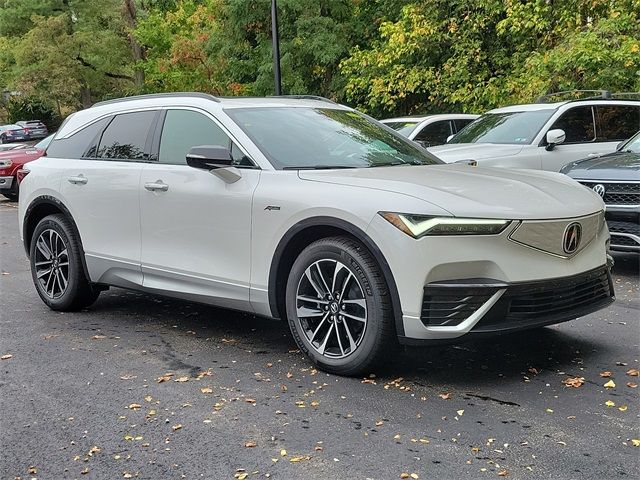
[(616, 178)]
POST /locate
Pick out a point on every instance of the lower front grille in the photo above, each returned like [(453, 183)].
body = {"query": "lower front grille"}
[(621, 240), (448, 309)]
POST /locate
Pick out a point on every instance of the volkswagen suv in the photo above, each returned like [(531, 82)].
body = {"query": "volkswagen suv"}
[(308, 211)]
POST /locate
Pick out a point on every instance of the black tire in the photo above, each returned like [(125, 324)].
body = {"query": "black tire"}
[(78, 292), (377, 340), (14, 193)]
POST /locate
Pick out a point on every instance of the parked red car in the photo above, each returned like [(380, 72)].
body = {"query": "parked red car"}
[(12, 160)]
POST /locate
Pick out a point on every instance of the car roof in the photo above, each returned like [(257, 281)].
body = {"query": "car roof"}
[(422, 118), (81, 118), (530, 107), (10, 126)]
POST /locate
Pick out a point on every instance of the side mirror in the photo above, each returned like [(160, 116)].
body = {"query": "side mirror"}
[(555, 137), (449, 138), (209, 157)]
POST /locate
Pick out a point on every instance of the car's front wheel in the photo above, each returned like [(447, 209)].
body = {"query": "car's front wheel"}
[(56, 265), (339, 307)]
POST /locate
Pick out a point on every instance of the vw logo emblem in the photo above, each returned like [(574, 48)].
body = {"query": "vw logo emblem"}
[(572, 237), (599, 189)]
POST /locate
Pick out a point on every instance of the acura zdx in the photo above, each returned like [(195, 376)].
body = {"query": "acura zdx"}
[(302, 209)]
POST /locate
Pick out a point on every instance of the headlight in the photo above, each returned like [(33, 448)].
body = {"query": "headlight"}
[(5, 163), (421, 225)]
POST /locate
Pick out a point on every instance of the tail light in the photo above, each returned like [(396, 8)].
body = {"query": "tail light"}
[(21, 173), (26, 131)]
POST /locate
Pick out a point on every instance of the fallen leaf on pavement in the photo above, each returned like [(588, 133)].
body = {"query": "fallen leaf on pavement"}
[(622, 408), (632, 385), (182, 379), (165, 378), (633, 372), (250, 444), (6, 357), (98, 337), (606, 374), (575, 382), (460, 412), (445, 396), (283, 453), (176, 427), (610, 384), (128, 377), (135, 406), (250, 400), (503, 473), (609, 403), (206, 390), (635, 442)]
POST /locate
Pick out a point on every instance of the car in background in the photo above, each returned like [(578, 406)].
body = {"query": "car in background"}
[(13, 133), (35, 128), (430, 130), (13, 160), (545, 136), (616, 178)]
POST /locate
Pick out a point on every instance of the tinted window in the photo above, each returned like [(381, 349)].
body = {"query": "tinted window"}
[(461, 123), (577, 124), (405, 128), (617, 122), (184, 129), (513, 128), (305, 137), (435, 133), (126, 136), (78, 144)]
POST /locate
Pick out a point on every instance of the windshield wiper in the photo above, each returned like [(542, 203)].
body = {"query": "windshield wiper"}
[(319, 167)]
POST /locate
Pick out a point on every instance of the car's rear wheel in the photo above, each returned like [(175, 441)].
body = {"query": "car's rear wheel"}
[(339, 308), (56, 265)]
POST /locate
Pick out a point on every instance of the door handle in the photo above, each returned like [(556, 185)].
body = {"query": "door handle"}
[(156, 186), (79, 180)]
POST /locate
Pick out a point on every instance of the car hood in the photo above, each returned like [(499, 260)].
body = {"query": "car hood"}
[(478, 192), (21, 153), (613, 166), (473, 151)]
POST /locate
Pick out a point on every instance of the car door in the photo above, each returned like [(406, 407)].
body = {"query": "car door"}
[(101, 190), (435, 133), (196, 227), (579, 125)]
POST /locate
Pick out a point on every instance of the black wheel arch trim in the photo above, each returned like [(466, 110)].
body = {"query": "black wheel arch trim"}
[(351, 229), (55, 202)]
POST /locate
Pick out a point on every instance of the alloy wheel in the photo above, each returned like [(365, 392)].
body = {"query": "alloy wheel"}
[(52, 263), (331, 308)]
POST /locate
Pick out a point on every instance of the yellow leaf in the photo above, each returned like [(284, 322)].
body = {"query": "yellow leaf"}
[(404, 475), (610, 384), (622, 408), (609, 403), (414, 476), (635, 442), (135, 406), (206, 390), (182, 379), (283, 453), (460, 412)]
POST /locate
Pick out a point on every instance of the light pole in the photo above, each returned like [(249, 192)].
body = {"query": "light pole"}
[(276, 48)]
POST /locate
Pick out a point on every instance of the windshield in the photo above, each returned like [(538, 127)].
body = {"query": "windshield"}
[(305, 137), (44, 143), (403, 128), (632, 145), (511, 128)]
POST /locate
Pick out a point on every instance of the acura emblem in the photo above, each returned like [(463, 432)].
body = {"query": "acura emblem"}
[(599, 189), (572, 236)]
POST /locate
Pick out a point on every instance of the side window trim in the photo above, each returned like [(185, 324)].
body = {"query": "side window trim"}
[(157, 136), (146, 152)]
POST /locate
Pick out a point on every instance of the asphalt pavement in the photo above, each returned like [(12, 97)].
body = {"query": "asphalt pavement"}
[(141, 386)]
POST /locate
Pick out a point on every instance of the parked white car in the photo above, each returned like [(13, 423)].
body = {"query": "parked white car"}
[(306, 210), (430, 130), (544, 136)]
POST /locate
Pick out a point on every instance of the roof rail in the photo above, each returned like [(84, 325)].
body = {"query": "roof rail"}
[(575, 95), (304, 97), (158, 95), (627, 95)]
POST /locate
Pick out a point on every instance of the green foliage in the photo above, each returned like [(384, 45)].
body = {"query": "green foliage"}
[(383, 56), (30, 108)]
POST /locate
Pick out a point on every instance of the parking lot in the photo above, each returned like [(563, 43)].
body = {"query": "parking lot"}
[(147, 387)]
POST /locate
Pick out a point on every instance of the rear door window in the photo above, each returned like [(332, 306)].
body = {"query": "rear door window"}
[(435, 133), (617, 122), (126, 137), (79, 145), (578, 125), (461, 123)]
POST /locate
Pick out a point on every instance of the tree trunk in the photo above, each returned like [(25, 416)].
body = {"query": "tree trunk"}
[(130, 15), (85, 96)]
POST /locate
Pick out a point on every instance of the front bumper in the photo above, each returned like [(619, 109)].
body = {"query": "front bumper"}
[(481, 307), (6, 183), (499, 265)]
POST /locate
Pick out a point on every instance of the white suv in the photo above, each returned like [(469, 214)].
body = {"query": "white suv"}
[(430, 130), (544, 136), (306, 210)]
